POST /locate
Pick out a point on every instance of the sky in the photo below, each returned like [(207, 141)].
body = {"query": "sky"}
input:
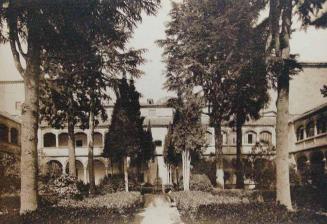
[(310, 45)]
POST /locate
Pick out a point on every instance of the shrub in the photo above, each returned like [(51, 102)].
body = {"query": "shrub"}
[(9, 173), (189, 202), (118, 202), (63, 187), (200, 182), (111, 184), (205, 166), (110, 208)]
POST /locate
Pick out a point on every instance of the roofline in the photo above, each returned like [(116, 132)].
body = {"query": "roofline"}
[(9, 117), (11, 81), (313, 64), (310, 112)]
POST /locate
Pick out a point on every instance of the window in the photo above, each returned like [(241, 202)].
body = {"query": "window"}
[(266, 137), (79, 143), (63, 140), (322, 125), (97, 139), (250, 138), (18, 105), (209, 138), (3, 133), (49, 140), (80, 139), (158, 142), (300, 133), (14, 136), (150, 101), (310, 129)]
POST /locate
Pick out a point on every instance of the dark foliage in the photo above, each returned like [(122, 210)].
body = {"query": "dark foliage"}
[(200, 182), (263, 213), (324, 91), (9, 173), (71, 215)]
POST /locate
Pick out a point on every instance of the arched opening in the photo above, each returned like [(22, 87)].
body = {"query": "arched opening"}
[(322, 125), (14, 136), (3, 133), (266, 137), (317, 167), (54, 168), (99, 171), (63, 140), (209, 138), (310, 129), (300, 133), (80, 139), (79, 169), (250, 138), (301, 164), (49, 140), (98, 139), (224, 134)]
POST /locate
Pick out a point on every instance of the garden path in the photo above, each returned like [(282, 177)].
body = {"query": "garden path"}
[(157, 210)]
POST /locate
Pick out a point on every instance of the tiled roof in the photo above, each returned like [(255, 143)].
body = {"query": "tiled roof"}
[(10, 117), (310, 112)]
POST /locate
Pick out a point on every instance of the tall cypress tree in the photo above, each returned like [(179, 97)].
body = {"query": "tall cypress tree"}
[(125, 131)]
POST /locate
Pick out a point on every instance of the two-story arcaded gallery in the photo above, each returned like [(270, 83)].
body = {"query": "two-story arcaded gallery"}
[(307, 132)]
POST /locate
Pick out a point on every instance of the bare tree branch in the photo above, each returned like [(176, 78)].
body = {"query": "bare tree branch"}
[(12, 40)]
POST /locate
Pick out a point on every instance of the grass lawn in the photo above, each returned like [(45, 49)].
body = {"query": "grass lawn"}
[(110, 208)]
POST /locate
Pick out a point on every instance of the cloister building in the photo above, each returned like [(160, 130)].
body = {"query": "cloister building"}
[(307, 132)]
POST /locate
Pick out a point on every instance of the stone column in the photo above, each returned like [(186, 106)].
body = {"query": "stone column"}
[(9, 135), (85, 175), (57, 140), (106, 165)]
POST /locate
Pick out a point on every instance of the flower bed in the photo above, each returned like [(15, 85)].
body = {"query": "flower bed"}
[(110, 208), (236, 207), (119, 202), (190, 202)]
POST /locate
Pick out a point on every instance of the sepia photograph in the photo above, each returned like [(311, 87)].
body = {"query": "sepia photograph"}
[(163, 111)]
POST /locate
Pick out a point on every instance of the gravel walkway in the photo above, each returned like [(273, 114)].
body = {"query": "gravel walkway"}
[(157, 210)]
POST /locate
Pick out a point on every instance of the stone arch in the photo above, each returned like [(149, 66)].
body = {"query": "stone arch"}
[(250, 137), (54, 168), (300, 133), (310, 129), (3, 133), (63, 139), (49, 140), (265, 137), (79, 170), (322, 125), (99, 170), (98, 139), (80, 139), (301, 164), (317, 166), (14, 136), (224, 135)]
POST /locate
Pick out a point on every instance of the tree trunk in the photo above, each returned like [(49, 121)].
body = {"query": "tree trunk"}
[(126, 173), (30, 113), (282, 104), (282, 161), (239, 167), (186, 160), (112, 167), (90, 154), (71, 148), (219, 156)]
